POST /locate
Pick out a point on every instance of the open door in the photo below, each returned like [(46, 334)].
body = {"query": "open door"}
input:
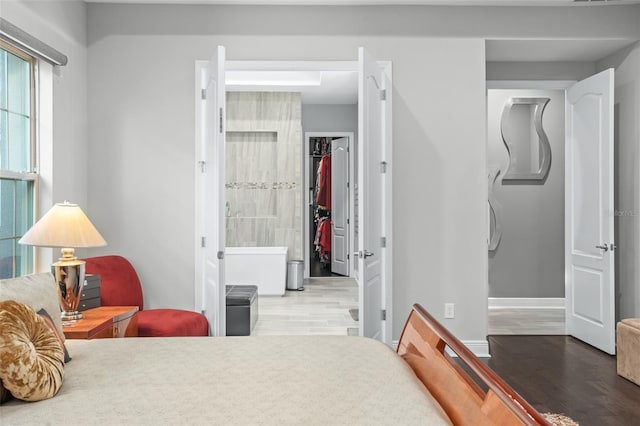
[(211, 166), (589, 212), (340, 206), (371, 146)]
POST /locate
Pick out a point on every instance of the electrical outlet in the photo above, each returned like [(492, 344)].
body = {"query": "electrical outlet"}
[(449, 310)]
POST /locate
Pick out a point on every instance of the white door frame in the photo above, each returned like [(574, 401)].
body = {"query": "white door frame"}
[(307, 199), (387, 217)]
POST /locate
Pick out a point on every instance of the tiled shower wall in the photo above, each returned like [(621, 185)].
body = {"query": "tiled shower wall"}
[(264, 170)]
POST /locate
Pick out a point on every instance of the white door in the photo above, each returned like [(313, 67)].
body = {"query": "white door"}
[(370, 148), (339, 206), (589, 212), (211, 164)]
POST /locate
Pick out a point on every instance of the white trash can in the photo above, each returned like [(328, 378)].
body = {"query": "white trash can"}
[(295, 275)]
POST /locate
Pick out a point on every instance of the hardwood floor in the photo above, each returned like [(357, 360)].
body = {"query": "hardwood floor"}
[(322, 308), (561, 374)]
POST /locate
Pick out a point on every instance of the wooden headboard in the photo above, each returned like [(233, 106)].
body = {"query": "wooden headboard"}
[(422, 344)]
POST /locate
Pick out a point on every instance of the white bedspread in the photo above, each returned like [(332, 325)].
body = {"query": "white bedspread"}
[(280, 380)]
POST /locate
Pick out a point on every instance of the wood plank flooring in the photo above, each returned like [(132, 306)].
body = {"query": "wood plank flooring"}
[(322, 308), (561, 374)]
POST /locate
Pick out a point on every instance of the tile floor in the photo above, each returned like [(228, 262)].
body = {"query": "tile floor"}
[(322, 308), (526, 322)]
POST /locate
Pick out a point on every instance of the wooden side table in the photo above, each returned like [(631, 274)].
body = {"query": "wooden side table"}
[(104, 322)]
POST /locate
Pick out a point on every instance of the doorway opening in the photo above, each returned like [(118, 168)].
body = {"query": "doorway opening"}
[(372, 216), (526, 208), (329, 203), (585, 270), (297, 196)]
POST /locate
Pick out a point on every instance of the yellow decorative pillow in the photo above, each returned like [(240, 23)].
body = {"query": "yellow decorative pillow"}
[(31, 358)]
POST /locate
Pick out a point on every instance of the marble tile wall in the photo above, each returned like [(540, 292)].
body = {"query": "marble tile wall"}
[(264, 170)]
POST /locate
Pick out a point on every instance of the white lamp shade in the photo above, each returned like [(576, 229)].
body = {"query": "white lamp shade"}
[(65, 225)]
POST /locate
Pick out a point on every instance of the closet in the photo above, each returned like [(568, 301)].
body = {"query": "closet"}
[(328, 203)]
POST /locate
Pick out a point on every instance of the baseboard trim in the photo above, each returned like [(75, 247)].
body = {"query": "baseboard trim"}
[(480, 348), (526, 303)]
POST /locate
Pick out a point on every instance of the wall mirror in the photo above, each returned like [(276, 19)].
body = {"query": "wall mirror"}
[(495, 212), (525, 139)]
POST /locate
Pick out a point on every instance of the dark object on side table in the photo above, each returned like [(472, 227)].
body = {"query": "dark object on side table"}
[(242, 309), (90, 293)]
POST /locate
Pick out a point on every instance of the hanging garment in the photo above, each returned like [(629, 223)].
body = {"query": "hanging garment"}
[(322, 239), (324, 178)]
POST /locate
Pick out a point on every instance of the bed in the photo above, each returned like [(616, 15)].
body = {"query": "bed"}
[(277, 380)]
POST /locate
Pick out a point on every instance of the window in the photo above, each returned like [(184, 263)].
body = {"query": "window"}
[(17, 159)]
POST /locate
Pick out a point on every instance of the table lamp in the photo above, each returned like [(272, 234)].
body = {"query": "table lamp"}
[(66, 226)]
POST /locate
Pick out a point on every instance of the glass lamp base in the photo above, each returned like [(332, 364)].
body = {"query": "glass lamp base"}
[(70, 315), (69, 275)]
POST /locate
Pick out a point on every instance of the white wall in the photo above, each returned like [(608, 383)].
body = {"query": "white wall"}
[(330, 118), (627, 160), (539, 70), (141, 67), (62, 25)]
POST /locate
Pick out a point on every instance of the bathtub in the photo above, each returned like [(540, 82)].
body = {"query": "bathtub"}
[(265, 267)]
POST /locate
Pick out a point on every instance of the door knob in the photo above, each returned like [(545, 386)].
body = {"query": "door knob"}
[(603, 247), (362, 254)]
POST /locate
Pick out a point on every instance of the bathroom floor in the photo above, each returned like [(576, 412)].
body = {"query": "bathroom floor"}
[(322, 308)]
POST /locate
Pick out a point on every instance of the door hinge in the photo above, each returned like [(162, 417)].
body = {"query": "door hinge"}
[(383, 167), (220, 255), (203, 94), (383, 94), (221, 120), (203, 166), (347, 221), (203, 241), (347, 256), (384, 315), (383, 241)]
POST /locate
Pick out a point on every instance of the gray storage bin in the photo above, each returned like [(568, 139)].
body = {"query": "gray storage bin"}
[(295, 275)]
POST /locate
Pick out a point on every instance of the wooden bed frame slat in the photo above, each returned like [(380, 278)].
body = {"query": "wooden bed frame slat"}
[(423, 345)]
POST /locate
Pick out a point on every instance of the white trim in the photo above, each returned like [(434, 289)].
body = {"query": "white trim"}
[(526, 302), (44, 162), (480, 348), (199, 303), (387, 202)]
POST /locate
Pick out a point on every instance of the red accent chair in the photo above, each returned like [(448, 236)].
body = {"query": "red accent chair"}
[(120, 286)]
